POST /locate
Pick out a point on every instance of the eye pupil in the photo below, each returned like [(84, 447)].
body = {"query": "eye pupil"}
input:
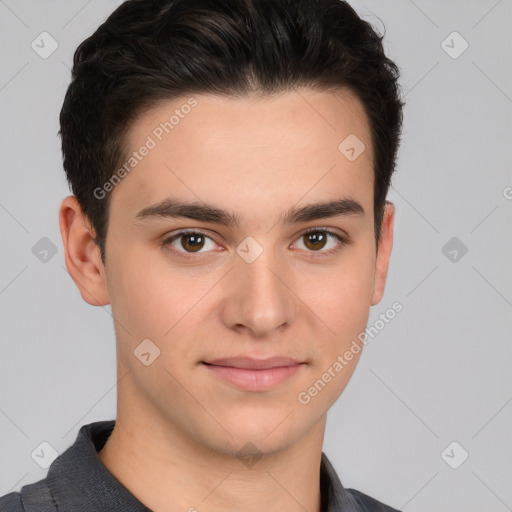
[(194, 241), (318, 237), (195, 245)]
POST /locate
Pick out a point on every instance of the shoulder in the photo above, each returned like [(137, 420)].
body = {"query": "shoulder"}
[(11, 503), (368, 504), (35, 497)]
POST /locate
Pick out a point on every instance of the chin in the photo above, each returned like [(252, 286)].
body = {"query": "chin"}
[(263, 435), (250, 450)]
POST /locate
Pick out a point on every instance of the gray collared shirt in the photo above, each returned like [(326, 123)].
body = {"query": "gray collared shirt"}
[(78, 481)]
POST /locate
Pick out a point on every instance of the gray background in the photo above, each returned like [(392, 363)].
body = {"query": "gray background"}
[(438, 373)]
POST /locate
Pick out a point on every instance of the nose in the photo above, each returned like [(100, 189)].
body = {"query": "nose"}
[(259, 298)]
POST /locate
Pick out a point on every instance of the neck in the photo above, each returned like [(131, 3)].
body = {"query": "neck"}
[(168, 470)]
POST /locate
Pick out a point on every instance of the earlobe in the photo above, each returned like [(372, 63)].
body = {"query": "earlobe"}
[(384, 253), (81, 253)]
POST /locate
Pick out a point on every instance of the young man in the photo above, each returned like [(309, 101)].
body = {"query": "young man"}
[(229, 162)]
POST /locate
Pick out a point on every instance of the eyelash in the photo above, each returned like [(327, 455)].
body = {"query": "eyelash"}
[(342, 242)]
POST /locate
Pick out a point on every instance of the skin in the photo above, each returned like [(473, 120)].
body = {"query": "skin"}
[(179, 428)]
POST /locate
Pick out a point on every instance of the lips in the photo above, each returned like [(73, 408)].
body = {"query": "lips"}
[(250, 374), (255, 364)]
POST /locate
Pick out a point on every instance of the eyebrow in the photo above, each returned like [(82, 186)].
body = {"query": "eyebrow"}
[(204, 212)]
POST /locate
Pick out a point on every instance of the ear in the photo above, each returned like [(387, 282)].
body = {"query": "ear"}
[(383, 253), (82, 255)]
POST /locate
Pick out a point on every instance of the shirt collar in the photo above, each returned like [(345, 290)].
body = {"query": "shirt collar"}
[(79, 480)]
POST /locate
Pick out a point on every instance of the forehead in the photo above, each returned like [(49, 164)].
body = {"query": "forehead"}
[(251, 152)]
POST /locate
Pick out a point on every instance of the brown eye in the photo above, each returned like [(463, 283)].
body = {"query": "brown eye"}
[(315, 240), (192, 242), (188, 242)]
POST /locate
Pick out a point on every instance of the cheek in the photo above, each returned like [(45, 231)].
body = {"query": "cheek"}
[(342, 307), (141, 297), (342, 296), (152, 298)]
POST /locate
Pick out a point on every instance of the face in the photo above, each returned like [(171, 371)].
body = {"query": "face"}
[(259, 286)]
